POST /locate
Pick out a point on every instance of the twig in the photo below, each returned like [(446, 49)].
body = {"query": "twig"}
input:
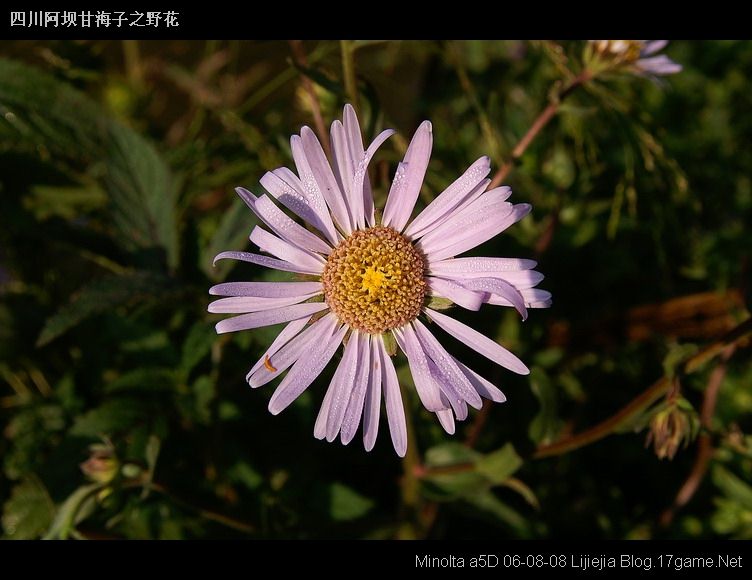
[(540, 122), (648, 397), (704, 443), (301, 59), (204, 513)]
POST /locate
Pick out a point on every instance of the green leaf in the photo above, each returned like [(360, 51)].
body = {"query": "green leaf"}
[(112, 416), (197, 345), (143, 379), (733, 487), (499, 465), (69, 513), (100, 296), (545, 426), (40, 114), (447, 484), (451, 453), (487, 502), (29, 510), (231, 234), (347, 504), (438, 303), (143, 192)]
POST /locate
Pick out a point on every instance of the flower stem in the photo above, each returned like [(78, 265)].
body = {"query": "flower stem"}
[(540, 122), (647, 398), (348, 71), (410, 484)]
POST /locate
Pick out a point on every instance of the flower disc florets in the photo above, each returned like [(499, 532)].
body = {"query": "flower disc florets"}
[(374, 280)]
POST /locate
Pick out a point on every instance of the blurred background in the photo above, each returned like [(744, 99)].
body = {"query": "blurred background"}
[(123, 414)]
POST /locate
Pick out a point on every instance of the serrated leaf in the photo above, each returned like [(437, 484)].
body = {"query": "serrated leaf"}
[(29, 510), (143, 192), (347, 504), (41, 114), (499, 465), (100, 296)]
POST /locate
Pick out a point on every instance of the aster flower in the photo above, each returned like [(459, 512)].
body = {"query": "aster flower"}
[(639, 56), (372, 280)]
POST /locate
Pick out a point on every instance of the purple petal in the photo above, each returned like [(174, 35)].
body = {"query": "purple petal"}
[(307, 368), (288, 333), (265, 261), (319, 428), (500, 288), (484, 387), (428, 390), (266, 289), (282, 225), (343, 165), (446, 366), (447, 420), (269, 317), (480, 221), (658, 65), (288, 353), (449, 395), (489, 207), (458, 294), (240, 304), (342, 385), (520, 279), (402, 196), (479, 267), (354, 145), (361, 205), (395, 411), (372, 406), (287, 188), (478, 342), (533, 297), (653, 46), (354, 410), (483, 233), (450, 198), (311, 160), (285, 251)]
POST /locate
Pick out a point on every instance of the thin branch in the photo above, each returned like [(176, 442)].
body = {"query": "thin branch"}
[(301, 59), (647, 398), (540, 122), (226, 521), (704, 443)]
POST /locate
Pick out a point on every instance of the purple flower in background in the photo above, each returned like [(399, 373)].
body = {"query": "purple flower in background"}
[(637, 55), (369, 280)]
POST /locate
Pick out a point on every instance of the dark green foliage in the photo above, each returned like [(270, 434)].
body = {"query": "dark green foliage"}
[(116, 191)]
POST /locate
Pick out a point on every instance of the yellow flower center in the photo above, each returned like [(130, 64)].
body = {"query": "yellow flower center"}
[(374, 280)]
